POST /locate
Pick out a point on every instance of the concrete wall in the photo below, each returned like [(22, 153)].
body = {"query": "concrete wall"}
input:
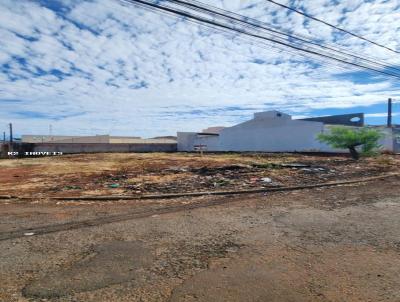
[(387, 140), (290, 137), (98, 139), (270, 131), (273, 131), (391, 140), (42, 138), (15, 147), (211, 142), (100, 148), (273, 135), (4, 148), (127, 140), (396, 140), (64, 139), (187, 141)]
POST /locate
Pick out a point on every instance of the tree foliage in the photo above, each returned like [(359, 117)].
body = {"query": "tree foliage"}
[(354, 139)]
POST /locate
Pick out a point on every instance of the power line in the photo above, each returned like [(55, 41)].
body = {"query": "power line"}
[(331, 25), (274, 37), (259, 42), (202, 20), (199, 6), (271, 46)]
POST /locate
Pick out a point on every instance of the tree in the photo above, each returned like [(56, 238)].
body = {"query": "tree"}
[(351, 138)]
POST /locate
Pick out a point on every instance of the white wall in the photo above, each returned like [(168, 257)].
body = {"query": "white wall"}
[(270, 131), (187, 141), (387, 140), (396, 140), (272, 135), (127, 140), (267, 132)]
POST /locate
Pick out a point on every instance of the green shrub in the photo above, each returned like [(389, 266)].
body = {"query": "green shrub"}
[(350, 138)]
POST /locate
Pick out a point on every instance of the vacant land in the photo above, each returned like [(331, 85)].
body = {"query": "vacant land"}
[(129, 174), (339, 243)]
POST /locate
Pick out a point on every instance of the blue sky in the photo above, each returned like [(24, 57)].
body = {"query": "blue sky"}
[(98, 67)]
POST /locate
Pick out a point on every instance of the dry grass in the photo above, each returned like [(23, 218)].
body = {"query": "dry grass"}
[(93, 173)]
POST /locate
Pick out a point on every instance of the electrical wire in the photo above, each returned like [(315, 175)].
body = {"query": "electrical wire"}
[(256, 23), (270, 44), (203, 20), (332, 26)]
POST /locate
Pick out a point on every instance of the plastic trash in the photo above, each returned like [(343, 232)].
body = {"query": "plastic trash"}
[(266, 179)]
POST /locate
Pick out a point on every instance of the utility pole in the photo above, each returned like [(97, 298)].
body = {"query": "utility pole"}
[(389, 116), (4, 137), (11, 133), (389, 121), (10, 148)]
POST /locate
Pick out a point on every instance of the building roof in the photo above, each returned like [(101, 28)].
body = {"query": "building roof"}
[(352, 119), (271, 114)]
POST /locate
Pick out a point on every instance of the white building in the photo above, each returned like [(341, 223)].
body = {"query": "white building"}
[(270, 131), (98, 139)]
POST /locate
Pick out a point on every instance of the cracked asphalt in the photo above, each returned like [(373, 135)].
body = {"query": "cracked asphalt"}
[(329, 244)]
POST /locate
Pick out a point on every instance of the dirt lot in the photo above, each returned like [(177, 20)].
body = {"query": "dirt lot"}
[(328, 244), (130, 174)]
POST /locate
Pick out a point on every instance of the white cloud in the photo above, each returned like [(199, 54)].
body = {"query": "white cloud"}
[(381, 114), (124, 70)]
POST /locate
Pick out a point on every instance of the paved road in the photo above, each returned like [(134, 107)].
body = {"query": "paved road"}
[(331, 244)]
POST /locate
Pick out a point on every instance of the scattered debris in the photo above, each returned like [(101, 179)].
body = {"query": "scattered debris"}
[(147, 174), (295, 165), (214, 170), (72, 188), (314, 169), (266, 179), (267, 165), (177, 169), (114, 186)]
